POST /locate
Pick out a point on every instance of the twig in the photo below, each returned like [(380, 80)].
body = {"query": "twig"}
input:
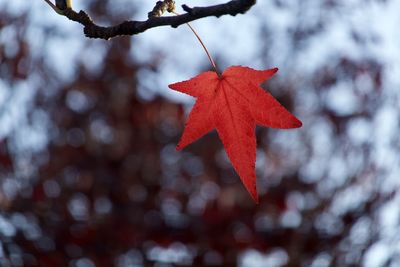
[(202, 44), (56, 9), (92, 30)]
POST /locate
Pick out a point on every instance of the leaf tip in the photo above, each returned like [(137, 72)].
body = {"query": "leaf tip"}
[(179, 147), (256, 199), (253, 193), (297, 123)]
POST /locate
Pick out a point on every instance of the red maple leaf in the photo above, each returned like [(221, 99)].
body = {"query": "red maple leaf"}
[(233, 104)]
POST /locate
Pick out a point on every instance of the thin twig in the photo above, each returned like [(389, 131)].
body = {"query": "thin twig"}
[(55, 8), (202, 44)]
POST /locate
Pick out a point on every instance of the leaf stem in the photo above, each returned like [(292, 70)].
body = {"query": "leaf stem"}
[(202, 44)]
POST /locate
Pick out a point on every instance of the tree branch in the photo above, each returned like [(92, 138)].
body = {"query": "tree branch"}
[(92, 30)]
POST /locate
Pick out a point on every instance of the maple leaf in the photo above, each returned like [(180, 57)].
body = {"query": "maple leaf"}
[(233, 104)]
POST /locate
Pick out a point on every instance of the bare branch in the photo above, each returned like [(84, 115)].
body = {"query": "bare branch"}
[(92, 30)]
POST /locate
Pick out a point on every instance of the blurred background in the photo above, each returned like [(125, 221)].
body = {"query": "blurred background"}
[(89, 174)]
